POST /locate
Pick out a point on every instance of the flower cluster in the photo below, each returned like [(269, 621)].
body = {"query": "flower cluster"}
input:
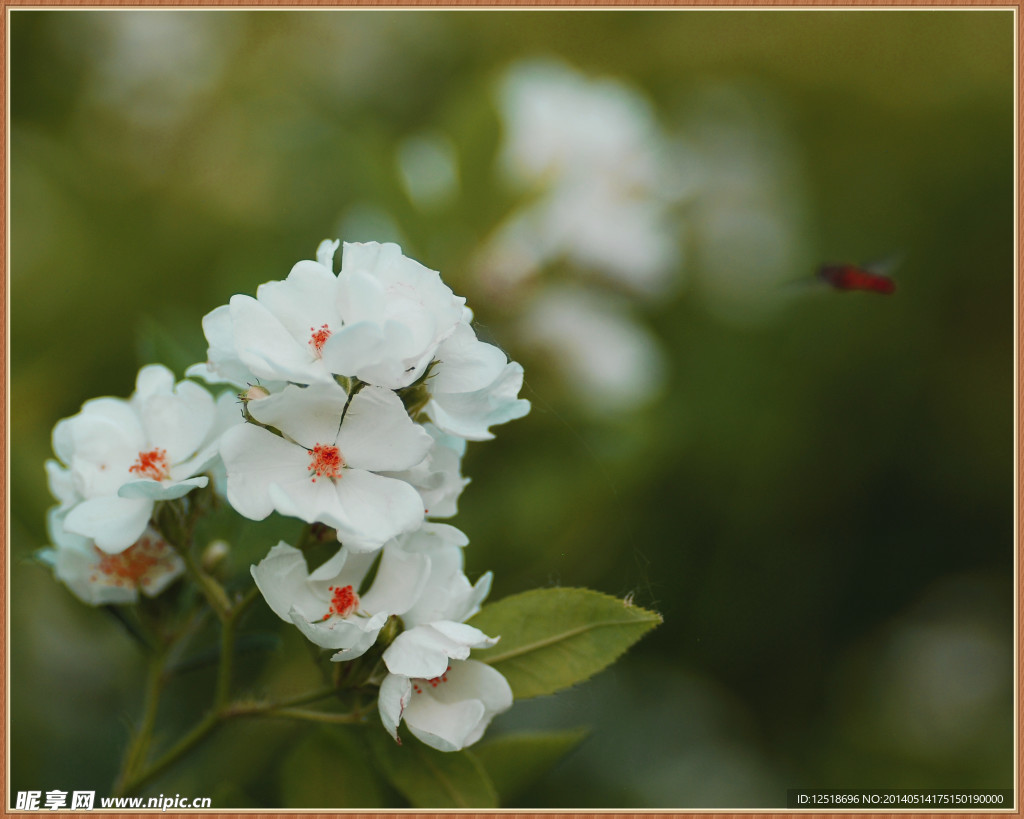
[(359, 391), (602, 181)]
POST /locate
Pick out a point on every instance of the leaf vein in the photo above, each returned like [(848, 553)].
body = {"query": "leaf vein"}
[(562, 636)]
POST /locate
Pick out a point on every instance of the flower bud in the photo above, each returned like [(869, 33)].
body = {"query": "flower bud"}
[(214, 555)]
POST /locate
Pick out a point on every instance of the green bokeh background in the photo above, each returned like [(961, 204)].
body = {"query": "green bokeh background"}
[(820, 502)]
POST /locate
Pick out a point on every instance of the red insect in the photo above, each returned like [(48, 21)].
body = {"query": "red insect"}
[(851, 277)]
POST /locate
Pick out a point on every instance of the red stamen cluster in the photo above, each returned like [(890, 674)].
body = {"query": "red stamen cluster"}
[(152, 464), (135, 566), (344, 601), (432, 683), (317, 338), (325, 461)]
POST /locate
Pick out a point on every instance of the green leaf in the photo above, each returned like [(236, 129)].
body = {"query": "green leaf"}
[(517, 760), (329, 770), (433, 779), (554, 638)]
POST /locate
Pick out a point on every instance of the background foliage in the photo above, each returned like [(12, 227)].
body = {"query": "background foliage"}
[(819, 499)]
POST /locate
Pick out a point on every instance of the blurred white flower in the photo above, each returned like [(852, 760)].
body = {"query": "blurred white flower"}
[(606, 356), (599, 169), (428, 166), (97, 578), (748, 220)]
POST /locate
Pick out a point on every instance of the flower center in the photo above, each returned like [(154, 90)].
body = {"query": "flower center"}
[(417, 688), (135, 566), (325, 461), (344, 601), (317, 339), (152, 464)]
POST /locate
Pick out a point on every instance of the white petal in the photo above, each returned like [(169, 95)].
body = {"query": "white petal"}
[(444, 726), (157, 490), (357, 649), (325, 253), (256, 459), (227, 414), (394, 695), (121, 414), (61, 483), (304, 301), (375, 508), (399, 581), (360, 296), (75, 567), (355, 348), (352, 633), (309, 415), (223, 363), (282, 578), (114, 523), (177, 421), (469, 415), (103, 454), (466, 364), (377, 433), (267, 348), (153, 379), (468, 681), (314, 501), (424, 651)]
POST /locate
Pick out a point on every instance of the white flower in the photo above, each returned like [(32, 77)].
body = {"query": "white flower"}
[(123, 456), (379, 320), (279, 335), (395, 312), (438, 477), (447, 593), (562, 123), (325, 605), (447, 704), (473, 386), (324, 468), (601, 192), (449, 711), (95, 577), (608, 359)]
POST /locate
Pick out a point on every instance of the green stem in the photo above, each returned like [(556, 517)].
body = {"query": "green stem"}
[(220, 712), (212, 590), (211, 721), (318, 716), (136, 751)]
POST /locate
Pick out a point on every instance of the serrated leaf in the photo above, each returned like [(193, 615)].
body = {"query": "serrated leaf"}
[(517, 760), (328, 770), (433, 779), (554, 638)]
